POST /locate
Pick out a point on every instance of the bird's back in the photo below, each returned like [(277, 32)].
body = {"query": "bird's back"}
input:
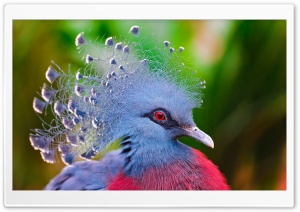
[(88, 175)]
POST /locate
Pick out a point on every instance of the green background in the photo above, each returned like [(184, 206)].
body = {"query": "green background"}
[(244, 110)]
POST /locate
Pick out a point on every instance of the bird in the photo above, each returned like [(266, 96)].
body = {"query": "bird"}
[(138, 98)]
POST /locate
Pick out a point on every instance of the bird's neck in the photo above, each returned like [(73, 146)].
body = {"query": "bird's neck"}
[(142, 156), (177, 167)]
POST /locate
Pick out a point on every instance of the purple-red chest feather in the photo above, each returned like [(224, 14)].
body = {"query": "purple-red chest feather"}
[(197, 174)]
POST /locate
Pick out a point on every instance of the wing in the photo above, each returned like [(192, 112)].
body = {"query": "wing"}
[(88, 175)]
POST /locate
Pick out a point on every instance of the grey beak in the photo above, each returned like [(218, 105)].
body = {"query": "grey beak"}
[(199, 135)]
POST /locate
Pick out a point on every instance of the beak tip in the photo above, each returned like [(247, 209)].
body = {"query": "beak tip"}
[(212, 145)]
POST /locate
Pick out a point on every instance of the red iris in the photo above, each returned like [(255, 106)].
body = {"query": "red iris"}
[(160, 116)]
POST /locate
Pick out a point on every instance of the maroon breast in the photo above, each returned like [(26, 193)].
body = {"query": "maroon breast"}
[(197, 173)]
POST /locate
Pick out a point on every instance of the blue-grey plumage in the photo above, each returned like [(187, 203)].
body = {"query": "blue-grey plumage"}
[(88, 175), (144, 102)]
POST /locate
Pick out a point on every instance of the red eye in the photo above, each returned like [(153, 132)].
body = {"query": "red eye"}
[(159, 116)]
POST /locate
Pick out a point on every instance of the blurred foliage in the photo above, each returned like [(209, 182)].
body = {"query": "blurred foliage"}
[(244, 110)]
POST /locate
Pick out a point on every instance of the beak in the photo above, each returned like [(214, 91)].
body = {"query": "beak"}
[(199, 135)]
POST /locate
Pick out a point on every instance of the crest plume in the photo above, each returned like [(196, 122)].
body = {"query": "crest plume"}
[(88, 106)]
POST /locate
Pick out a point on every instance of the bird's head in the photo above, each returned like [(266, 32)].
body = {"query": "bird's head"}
[(158, 109), (125, 90)]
